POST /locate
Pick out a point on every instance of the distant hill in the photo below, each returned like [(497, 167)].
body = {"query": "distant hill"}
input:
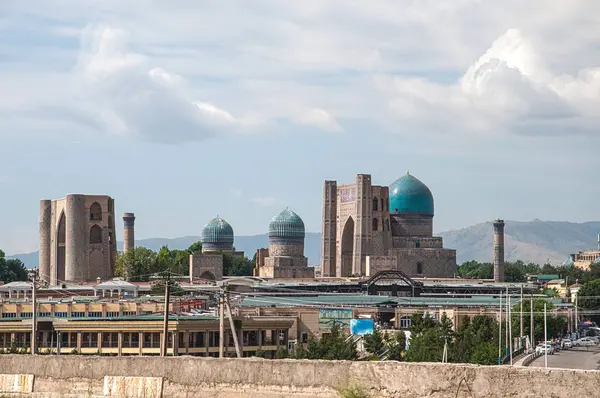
[(534, 241), (247, 244)]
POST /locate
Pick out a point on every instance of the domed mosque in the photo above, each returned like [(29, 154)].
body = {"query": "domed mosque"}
[(217, 239), (285, 256), (369, 228)]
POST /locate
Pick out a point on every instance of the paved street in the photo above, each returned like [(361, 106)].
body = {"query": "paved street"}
[(576, 358)]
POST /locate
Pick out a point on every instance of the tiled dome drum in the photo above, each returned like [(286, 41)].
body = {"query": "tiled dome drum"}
[(286, 226), (217, 235)]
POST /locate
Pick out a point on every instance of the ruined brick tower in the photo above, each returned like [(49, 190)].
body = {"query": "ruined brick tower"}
[(499, 251), (128, 232), (77, 239)]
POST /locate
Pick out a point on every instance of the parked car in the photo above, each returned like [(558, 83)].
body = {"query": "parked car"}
[(566, 343), (544, 348), (585, 342)]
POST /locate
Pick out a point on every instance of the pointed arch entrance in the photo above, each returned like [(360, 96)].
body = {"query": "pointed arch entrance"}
[(61, 240), (347, 248)]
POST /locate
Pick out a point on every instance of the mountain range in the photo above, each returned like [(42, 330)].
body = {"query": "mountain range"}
[(533, 241)]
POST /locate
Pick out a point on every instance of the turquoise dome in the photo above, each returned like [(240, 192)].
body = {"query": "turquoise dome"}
[(597, 260), (568, 262), (409, 195), (217, 234), (286, 225)]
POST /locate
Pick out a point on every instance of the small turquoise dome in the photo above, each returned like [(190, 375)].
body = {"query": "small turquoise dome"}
[(597, 260), (217, 234), (409, 195), (568, 262), (286, 225)]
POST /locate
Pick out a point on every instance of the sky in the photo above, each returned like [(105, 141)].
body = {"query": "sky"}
[(184, 110)]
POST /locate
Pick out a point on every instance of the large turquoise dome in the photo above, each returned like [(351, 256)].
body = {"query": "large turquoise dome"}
[(217, 234), (409, 195), (286, 225)]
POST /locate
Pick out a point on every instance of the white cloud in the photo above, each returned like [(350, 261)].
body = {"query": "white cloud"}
[(265, 201), (203, 68)]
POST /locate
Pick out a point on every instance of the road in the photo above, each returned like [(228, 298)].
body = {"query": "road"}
[(586, 358)]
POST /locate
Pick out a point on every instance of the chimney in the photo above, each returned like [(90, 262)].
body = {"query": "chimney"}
[(129, 235), (499, 251)]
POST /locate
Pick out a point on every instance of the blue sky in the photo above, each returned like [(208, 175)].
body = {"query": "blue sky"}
[(184, 110)]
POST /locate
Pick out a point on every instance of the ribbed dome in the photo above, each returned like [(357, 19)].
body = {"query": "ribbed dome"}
[(286, 225), (409, 195), (568, 262), (597, 260), (218, 234)]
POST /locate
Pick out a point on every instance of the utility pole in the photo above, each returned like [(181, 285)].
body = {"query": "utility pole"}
[(33, 275), (507, 323), (500, 332), (165, 337), (531, 335), (221, 324), (545, 339), (576, 314), (521, 313), (233, 330)]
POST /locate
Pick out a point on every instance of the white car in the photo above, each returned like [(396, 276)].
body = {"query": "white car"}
[(585, 342), (544, 348), (567, 343)]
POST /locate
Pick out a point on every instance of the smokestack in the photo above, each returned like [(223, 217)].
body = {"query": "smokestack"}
[(129, 235), (499, 251)]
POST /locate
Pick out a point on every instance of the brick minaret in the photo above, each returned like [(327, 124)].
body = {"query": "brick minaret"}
[(499, 251), (128, 232)]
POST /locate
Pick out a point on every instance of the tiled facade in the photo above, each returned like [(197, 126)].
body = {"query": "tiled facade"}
[(361, 235)]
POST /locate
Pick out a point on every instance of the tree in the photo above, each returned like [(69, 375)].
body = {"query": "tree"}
[(374, 342), (331, 346), (396, 346), (236, 265), (136, 265), (12, 270), (588, 298), (556, 325), (195, 247)]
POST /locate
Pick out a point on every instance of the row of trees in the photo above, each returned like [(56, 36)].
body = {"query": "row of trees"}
[(475, 341), (138, 264), (517, 271), (12, 270)]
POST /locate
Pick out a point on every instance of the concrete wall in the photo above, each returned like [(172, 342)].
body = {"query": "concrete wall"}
[(76, 376)]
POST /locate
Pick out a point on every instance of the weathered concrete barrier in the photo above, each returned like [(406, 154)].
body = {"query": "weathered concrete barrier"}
[(95, 376)]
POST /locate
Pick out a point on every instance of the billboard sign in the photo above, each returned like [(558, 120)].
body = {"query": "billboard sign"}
[(361, 326), (334, 316)]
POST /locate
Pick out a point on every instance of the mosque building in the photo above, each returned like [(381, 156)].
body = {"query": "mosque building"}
[(285, 256), (217, 240), (369, 228)]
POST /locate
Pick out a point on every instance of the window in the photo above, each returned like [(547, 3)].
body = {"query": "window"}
[(112, 314), (9, 315), (417, 244), (96, 234), (95, 314), (375, 202), (129, 313), (405, 322), (382, 204), (26, 314), (95, 212), (44, 314), (78, 314), (375, 224), (61, 314), (419, 268), (304, 338)]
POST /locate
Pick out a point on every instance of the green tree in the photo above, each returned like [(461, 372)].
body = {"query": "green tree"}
[(195, 247), (12, 270), (374, 342), (556, 325), (136, 265), (331, 346), (236, 265), (396, 346), (485, 353), (588, 298)]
